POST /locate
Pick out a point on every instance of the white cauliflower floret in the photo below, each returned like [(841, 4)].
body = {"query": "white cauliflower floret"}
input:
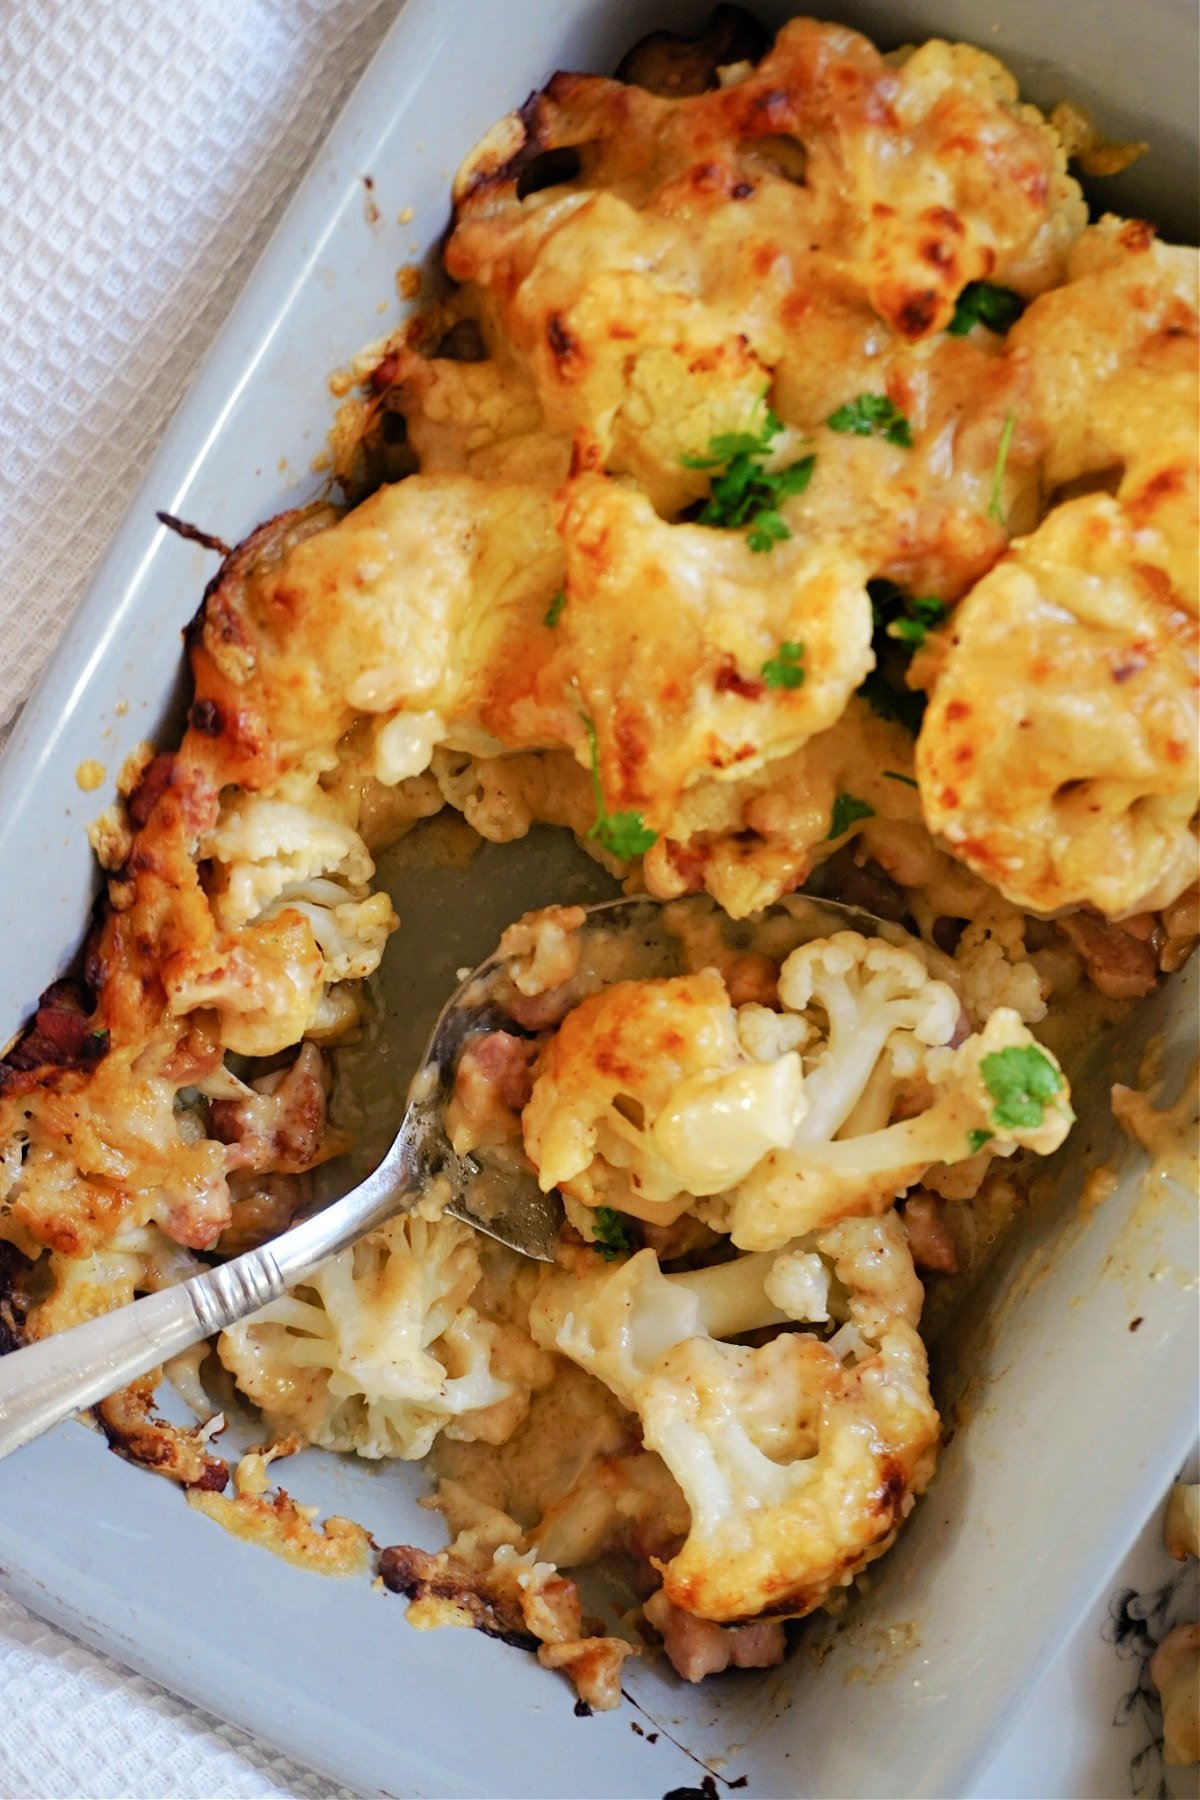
[(655, 1097), (379, 1350), (994, 971), (351, 933), (797, 1468), (1000, 1090), (644, 1098), (878, 1003), (268, 848), (295, 918), (798, 1284)]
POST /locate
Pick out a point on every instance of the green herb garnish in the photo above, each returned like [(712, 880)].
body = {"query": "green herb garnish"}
[(554, 611), (745, 492), (884, 689), (622, 834), (895, 775), (995, 509), (924, 614), (978, 1138), (848, 809), (894, 703), (985, 303), (1020, 1080), (785, 668), (873, 415), (610, 1236)]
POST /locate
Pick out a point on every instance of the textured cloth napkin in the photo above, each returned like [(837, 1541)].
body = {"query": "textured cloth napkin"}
[(147, 148)]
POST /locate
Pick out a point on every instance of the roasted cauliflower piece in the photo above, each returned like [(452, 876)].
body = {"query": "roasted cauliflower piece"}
[(696, 658), (1109, 360), (798, 1463), (379, 1350), (264, 848), (644, 1097), (1058, 754), (659, 1097), (998, 1092), (285, 870), (417, 609)]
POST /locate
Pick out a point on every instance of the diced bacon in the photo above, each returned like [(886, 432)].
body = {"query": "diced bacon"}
[(698, 1647), (493, 1082), (1122, 964), (930, 1237), (278, 1128)]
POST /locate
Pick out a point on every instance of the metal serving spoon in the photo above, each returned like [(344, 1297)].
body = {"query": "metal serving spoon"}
[(45, 1382)]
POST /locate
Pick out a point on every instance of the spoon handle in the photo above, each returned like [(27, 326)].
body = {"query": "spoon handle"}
[(46, 1382), (60, 1375)]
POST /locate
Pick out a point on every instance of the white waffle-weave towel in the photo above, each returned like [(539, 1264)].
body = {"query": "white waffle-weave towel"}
[(147, 147)]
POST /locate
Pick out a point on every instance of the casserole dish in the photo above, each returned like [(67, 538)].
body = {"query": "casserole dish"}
[(1039, 1520)]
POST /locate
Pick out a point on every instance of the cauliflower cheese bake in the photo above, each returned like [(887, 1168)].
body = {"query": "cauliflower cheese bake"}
[(791, 490)]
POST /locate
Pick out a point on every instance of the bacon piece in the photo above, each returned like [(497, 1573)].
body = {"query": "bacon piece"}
[(60, 1036), (698, 1647), (493, 1082), (279, 1128), (930, 1237), (1121, 963)]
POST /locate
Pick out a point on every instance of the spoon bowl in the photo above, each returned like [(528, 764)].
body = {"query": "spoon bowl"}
[(625, 939)]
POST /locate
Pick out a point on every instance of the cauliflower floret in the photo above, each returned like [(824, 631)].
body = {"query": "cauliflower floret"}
[(267, 848), (644, 1098), (999, 1091), (351, 933), (697, 659), (1058, 754), (1111, 357), (879, 1007), (797, 1467), (379, 1350), (266, 981), (137, 1260), (993, 969), (295, 917)]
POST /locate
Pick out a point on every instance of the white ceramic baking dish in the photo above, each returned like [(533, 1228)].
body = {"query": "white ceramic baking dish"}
[(1071, 1423)]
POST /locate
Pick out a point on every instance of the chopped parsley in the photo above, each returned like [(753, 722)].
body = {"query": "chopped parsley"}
[(554, 611), (995, 509), (895, 775), (610, 1235), (785, 669), (923, 615), (884, 689), (873, 415), (1020, 1080), (978, 1138), (746, 493), (623, 834), (985, 303), (848, 809)]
